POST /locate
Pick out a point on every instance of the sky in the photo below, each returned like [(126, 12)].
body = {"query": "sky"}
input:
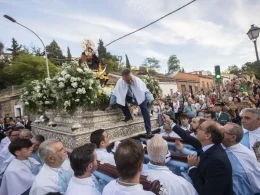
[(202, 35)]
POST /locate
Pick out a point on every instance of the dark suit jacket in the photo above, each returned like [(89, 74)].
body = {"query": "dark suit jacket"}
[(213, 176), (28, 125)]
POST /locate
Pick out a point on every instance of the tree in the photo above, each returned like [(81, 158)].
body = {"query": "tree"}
[(36, 51), (1, 48), (55, 54), (233, 69), (127, 62), (152, 63), (182, 70), (68, 55), (173, 64), (102, 51), (26, 68), (15, 48), (251, 67)]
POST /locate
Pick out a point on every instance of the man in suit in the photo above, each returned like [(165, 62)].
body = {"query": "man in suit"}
[(211, 173), (2, 129), (221, 117), (27, 123)]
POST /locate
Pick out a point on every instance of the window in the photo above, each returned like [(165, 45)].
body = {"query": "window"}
[(196, 88), (183, 89), (208, 85), (203, 84)]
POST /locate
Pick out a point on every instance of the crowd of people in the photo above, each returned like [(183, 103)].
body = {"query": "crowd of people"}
[(219, 136)]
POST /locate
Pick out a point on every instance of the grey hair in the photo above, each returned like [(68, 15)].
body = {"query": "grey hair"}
[(255, 112), (46, 149), (237, 131), (157, 149), (26, 131)]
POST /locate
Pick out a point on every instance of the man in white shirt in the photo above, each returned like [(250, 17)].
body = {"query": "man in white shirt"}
[(157, 149), (5, 154), (100, 138), (200, 108), (250, 120), (54, 175), (129, 158), (21, 172), (83, 161), (245, 167)]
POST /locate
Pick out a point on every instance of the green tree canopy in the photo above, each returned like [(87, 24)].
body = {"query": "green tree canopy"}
[(55, 54), (127, 62), (102, 51), (68, 55), (152, 63), (173, 64), (1, 48), (251, 67), (233, 69), (15, 48), (26, 68)]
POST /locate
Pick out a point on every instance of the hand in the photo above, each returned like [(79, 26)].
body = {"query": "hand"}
[(108, 109), (193, 160), (166, 119), (178, 145)]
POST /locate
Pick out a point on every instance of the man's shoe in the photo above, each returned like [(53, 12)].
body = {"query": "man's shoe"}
[(149, 135), (127, 119)]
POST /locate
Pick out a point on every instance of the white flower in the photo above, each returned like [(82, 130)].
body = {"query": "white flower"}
[(74, 84), (91, 82), (79, 70), (90, 87), (26, 93), (73, 79), (79, 79), (61, 79), (67, 76), (26, 103), (61, 85), (66, 104), (92, 102), (76, 100), (107, 91), (81, 91), (47, 102), (63, 72)]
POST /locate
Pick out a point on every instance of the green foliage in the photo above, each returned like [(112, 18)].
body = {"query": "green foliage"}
[(102, 51), (173, 64), (26, 68), (233, 69), (15, 48), (127, 62), (182, 70), (152, 63), (55, 54), (153, 85), (251, 67), (1, 48), (68, 55), (36, 51)]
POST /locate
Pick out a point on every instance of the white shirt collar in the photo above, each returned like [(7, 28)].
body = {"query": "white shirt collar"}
[(205, 148), (256, 131)]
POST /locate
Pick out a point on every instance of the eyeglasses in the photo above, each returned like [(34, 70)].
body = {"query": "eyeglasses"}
[(229, 133)]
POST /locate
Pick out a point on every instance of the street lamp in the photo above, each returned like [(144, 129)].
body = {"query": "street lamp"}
[(46, 57), (253, 34)]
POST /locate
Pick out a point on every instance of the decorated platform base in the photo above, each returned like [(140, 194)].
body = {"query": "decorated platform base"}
[(75, 130)]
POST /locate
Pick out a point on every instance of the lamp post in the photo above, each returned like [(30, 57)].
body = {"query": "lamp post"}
[(253, 34), (46, 57)]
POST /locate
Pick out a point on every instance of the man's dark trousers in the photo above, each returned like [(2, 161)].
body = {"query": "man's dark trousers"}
[(144, 110)]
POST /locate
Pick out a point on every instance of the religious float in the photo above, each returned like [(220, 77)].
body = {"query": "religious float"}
[(74, 103)]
